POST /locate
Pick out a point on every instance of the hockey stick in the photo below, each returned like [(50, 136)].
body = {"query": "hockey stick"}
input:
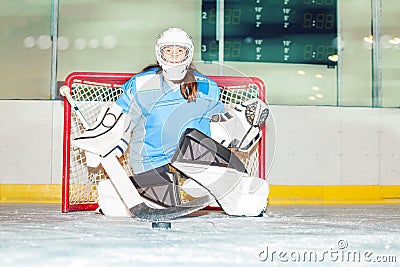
[(127, 191)]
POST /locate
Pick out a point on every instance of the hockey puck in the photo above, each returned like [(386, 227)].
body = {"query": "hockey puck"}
[(161, 225)]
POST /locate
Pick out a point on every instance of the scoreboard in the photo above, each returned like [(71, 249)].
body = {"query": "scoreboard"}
[(280, 31)]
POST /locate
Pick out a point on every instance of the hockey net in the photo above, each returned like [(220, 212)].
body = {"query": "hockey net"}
[(91, 91)]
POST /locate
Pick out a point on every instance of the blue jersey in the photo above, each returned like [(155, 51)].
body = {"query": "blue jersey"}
[(159, 115)]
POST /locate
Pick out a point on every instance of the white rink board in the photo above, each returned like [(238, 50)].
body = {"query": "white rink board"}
[(389, 146), (31, 147), (359, 135), (307, 146), (314, 145), (333, 146), (57, 149)]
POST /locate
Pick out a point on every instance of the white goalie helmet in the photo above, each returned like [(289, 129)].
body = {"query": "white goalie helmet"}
[(174, 52)]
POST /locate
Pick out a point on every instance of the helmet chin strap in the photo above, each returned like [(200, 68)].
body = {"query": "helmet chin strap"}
[(174, 74)]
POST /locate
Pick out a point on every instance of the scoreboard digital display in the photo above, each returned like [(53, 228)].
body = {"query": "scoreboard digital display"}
[(280, 31)]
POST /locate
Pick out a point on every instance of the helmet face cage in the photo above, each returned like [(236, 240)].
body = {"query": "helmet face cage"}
[(171, 54)]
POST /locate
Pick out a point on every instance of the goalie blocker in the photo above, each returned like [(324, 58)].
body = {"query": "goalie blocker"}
[(109, 135)]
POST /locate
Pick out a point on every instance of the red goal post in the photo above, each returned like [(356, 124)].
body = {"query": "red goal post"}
[(91, 90)]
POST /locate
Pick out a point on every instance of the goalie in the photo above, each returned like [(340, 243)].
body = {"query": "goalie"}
[(159, 105)]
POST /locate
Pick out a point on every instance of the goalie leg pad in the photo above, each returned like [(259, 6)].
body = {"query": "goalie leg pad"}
[(109, 201), (248, 197), (159, 186)]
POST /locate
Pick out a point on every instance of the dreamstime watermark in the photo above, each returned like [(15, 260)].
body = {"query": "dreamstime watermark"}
[(339, 254)]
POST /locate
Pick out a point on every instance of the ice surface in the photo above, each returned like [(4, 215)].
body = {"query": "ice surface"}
[(40, 235)]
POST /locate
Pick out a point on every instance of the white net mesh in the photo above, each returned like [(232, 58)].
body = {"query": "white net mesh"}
[(90, 97)]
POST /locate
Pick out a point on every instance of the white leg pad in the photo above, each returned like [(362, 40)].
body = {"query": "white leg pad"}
[(248, 198), (109, 201), (244, 196)]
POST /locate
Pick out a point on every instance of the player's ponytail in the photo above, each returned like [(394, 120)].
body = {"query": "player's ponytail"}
[(189, 86)]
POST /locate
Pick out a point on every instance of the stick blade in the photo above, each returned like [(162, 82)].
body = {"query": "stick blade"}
[(143, 212)]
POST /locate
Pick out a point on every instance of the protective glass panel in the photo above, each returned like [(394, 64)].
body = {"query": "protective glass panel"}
[(390, 41), (25, 50)]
